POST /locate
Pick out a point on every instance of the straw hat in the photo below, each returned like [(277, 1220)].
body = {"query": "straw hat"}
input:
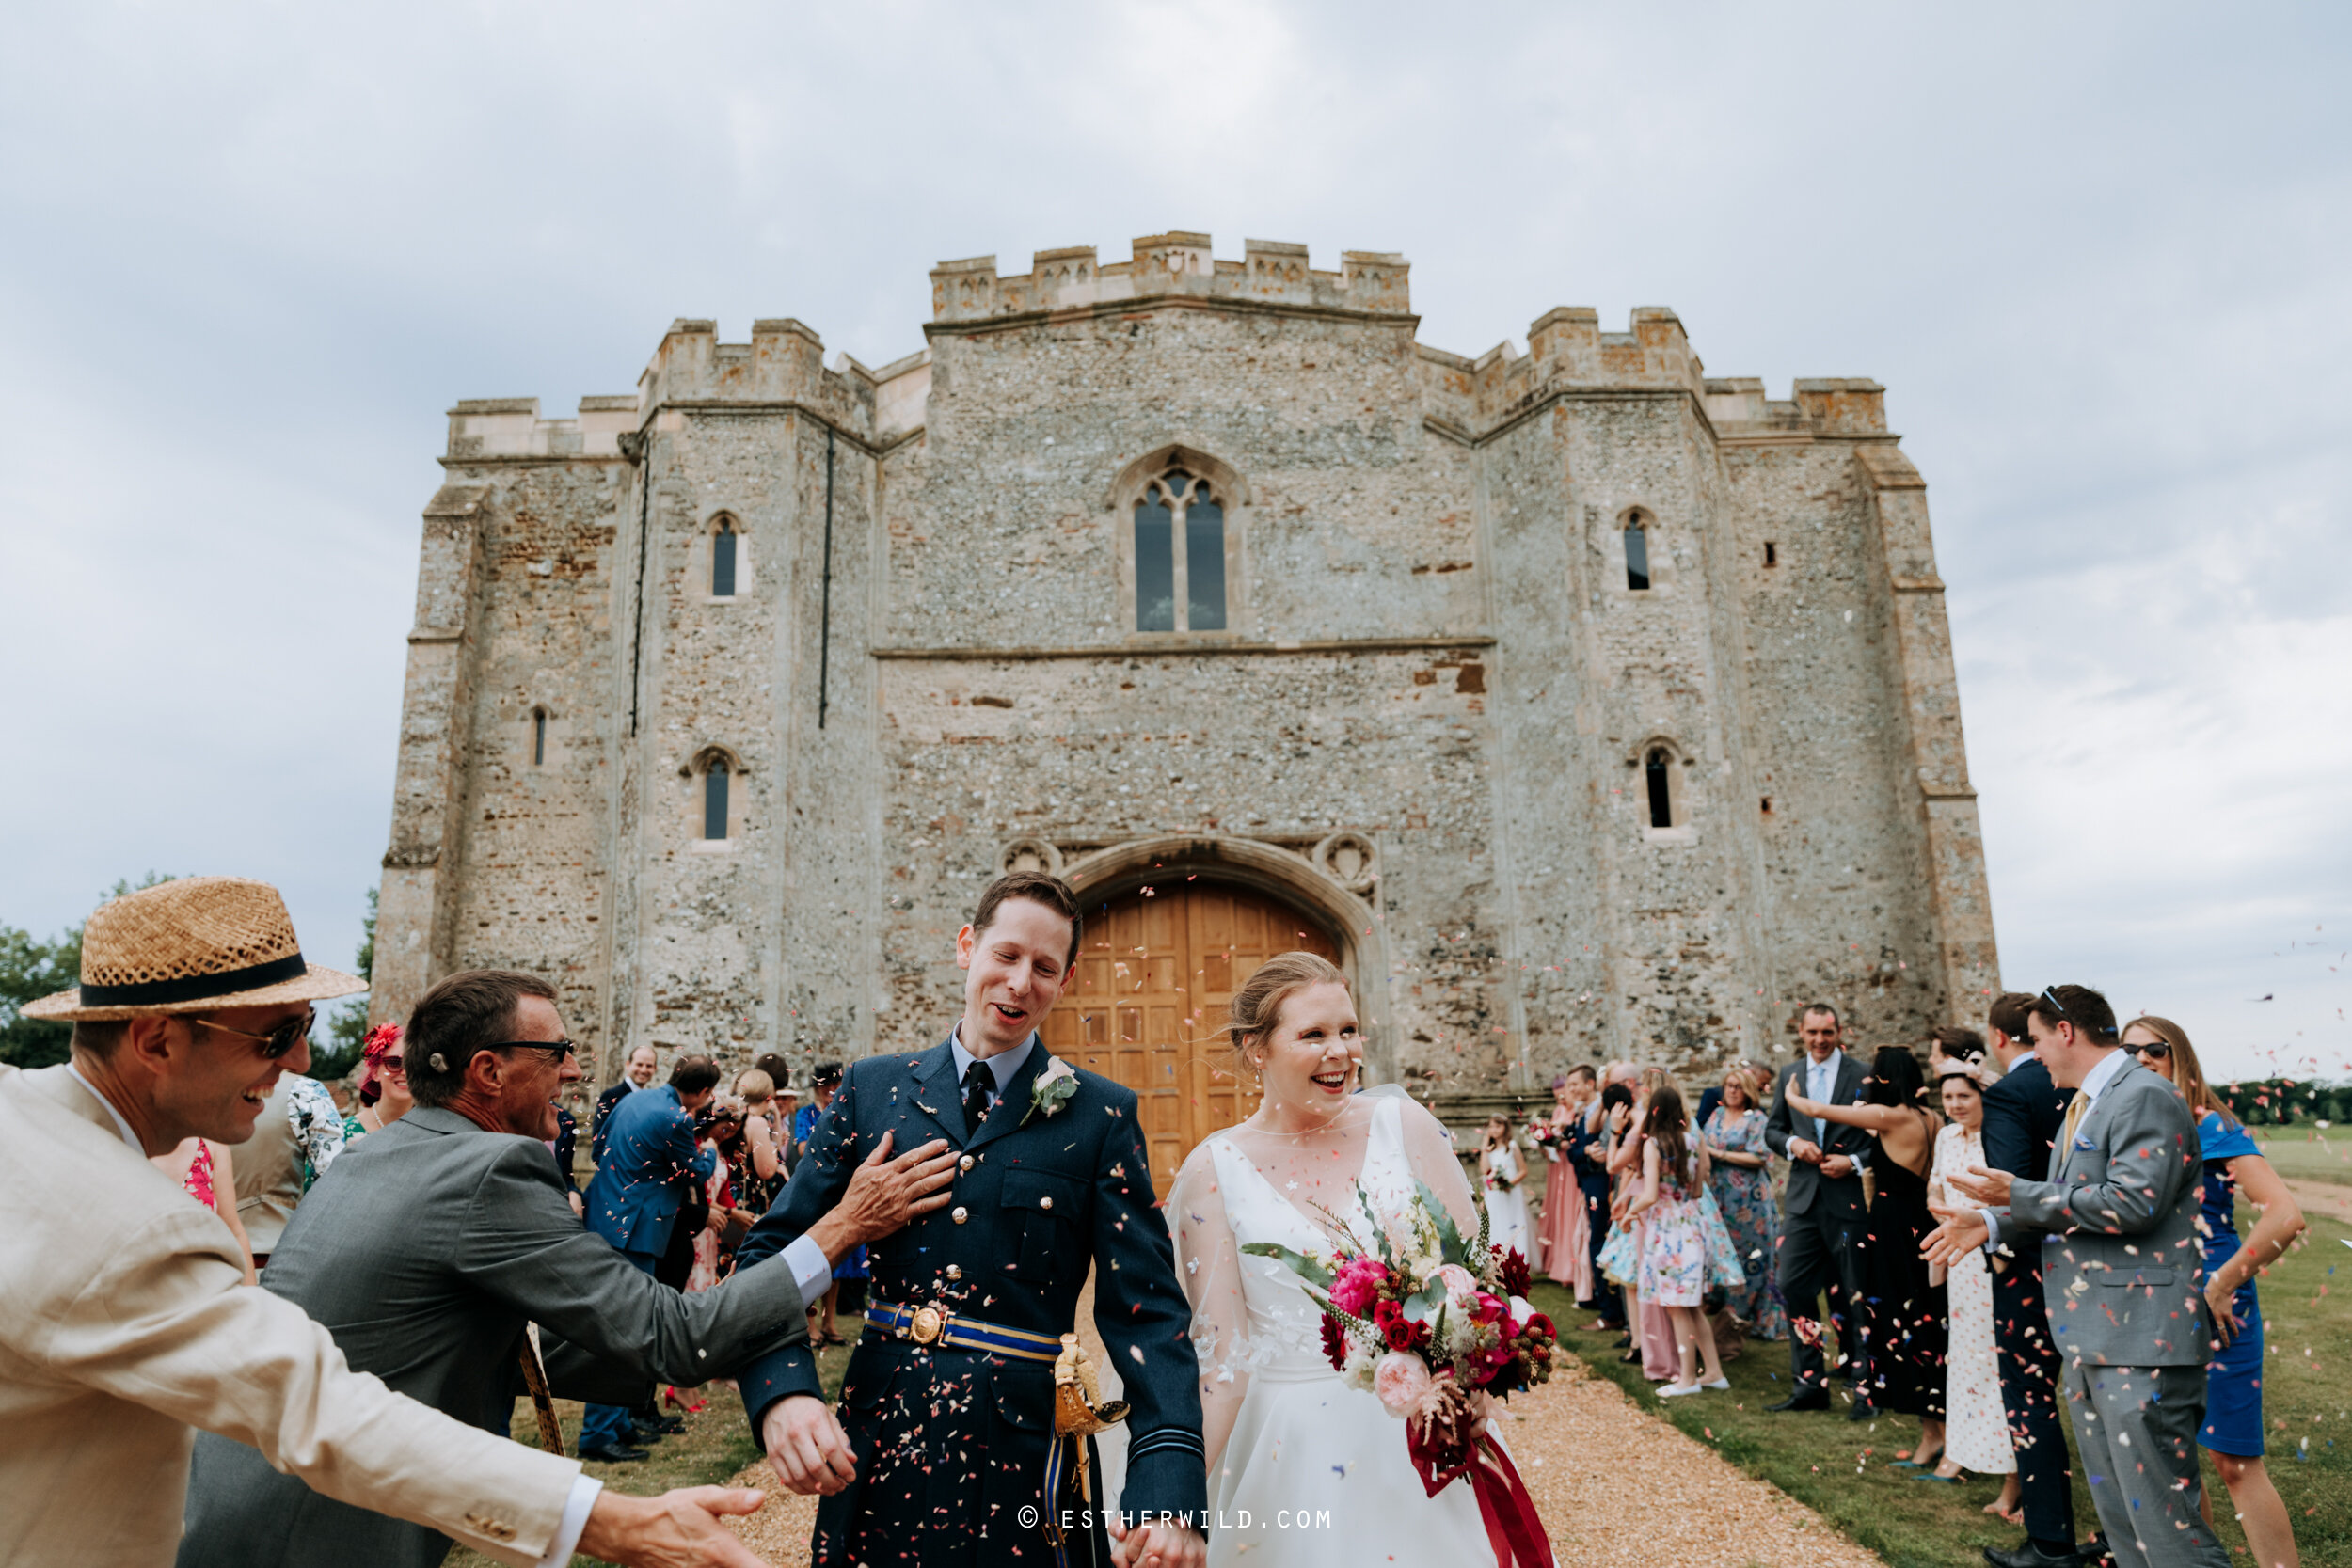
[(190, 946)]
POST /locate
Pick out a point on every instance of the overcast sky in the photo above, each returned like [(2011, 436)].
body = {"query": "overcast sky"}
[(2096, 253)]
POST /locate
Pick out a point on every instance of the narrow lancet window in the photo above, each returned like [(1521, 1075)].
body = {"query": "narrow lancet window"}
[(1155, 563), (538, 738), (723, 561), (1662, 807), (1636, 553), (715, 800), (1204, 564)]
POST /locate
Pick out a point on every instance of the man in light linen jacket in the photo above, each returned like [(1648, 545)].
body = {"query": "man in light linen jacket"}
[(125, 1322)]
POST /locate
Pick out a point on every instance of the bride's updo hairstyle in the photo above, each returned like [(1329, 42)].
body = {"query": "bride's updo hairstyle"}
[(1258, 1006)]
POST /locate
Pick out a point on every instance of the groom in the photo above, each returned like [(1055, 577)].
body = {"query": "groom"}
[(939, 1453)]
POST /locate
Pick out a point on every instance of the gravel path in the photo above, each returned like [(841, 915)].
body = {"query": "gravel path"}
[(1618, 1488)]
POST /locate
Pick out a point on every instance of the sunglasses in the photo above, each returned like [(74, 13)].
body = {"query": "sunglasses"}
[(284, 1038), (558, 1050), (394, 1064), (2155, 1053), (2053, 1002)]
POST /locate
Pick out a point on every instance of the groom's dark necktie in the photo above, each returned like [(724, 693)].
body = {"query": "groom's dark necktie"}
[(979, 1083)]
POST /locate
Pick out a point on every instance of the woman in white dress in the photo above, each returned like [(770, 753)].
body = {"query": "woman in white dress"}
[(1975, 1433), (1506, 1189), (1316, 1467)]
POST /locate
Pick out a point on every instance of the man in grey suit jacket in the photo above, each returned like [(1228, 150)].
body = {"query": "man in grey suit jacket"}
[(432, 1243), (2122, 1273), (1822, 1237)]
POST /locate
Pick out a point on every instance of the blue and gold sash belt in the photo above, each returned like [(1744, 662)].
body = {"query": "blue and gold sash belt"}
[(937, 1326)]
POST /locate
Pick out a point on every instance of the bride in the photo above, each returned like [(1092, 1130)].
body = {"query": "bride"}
[(1299, 1459)]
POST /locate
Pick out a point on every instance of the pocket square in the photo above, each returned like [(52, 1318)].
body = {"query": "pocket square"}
[(2081, 1142)]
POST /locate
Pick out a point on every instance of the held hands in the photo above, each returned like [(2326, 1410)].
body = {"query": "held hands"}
[(676, 1530), (806, 1446), (1157, 1543), (1835, 1166), (1963, 1232)]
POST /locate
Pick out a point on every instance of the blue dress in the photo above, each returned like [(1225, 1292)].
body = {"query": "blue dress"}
[(2234, 1379)]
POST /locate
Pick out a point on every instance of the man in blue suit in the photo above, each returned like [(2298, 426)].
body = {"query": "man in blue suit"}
[(649, 1153), (939, 1454)]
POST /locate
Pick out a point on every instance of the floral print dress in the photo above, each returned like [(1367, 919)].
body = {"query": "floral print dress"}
[(1745, 1198)]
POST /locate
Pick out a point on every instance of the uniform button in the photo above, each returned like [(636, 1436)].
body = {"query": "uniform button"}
[(959, 1215), (966, 1163), (955, 1270), (1045, 1202)]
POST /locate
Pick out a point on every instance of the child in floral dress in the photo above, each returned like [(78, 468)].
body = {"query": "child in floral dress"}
[(1683, 1240)]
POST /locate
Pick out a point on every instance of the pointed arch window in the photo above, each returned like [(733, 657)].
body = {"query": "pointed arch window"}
[(715, 780), (1636, 551), (722, 542), (1180, 555)]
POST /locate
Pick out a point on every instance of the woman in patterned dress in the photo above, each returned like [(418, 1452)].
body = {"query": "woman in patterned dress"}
[(1674, 1240), (1976, 1430), (1742, 1185)]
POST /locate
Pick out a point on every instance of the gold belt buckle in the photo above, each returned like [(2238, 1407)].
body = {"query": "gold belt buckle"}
[(926, 1325)]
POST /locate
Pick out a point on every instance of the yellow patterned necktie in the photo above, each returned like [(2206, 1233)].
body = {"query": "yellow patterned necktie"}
[(2073, 1119)]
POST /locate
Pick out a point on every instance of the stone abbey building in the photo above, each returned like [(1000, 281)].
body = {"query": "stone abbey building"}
[(1579, 703)]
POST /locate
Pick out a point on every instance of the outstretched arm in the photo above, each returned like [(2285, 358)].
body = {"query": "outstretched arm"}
[(1878, 1118)]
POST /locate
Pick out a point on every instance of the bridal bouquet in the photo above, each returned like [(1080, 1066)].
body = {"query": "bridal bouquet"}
[(1434, 1327)]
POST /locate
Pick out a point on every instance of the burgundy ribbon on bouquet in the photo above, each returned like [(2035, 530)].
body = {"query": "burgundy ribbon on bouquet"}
[(1452, 1444)]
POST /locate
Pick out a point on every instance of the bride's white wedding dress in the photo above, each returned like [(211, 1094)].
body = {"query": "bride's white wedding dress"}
[(1314, 1470)]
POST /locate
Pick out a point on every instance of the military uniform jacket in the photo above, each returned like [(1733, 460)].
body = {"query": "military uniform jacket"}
[(951, 1444), (2123, 1268)]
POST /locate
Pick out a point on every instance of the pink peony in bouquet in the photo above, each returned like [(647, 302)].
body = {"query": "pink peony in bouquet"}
[(1434, 1327)]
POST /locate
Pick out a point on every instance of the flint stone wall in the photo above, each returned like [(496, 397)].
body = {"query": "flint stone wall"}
[(1425, 721)]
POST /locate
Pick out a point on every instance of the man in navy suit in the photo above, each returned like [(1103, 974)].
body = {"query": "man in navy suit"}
[(2023, 1114), (938, 1455), (633, 1203), (1822, 1237)]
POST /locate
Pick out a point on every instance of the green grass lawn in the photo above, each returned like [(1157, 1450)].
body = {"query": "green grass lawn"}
[(1841, 1470), (2307, 1153), (715, 1445)]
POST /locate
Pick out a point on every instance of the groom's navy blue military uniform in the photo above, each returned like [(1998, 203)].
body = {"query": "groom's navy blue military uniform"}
[(952, 1443)]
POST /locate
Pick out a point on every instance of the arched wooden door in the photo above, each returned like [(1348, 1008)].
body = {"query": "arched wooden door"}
[(1155, 975)]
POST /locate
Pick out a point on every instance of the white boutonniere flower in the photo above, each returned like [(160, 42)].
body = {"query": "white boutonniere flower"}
[(1052, 1088)]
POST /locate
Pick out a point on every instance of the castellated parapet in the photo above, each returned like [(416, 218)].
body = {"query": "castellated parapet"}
[(1581, 704)]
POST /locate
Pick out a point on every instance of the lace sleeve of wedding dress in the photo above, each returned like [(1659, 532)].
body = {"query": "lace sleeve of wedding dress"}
[(1209, 1266), (1429, 1150)]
